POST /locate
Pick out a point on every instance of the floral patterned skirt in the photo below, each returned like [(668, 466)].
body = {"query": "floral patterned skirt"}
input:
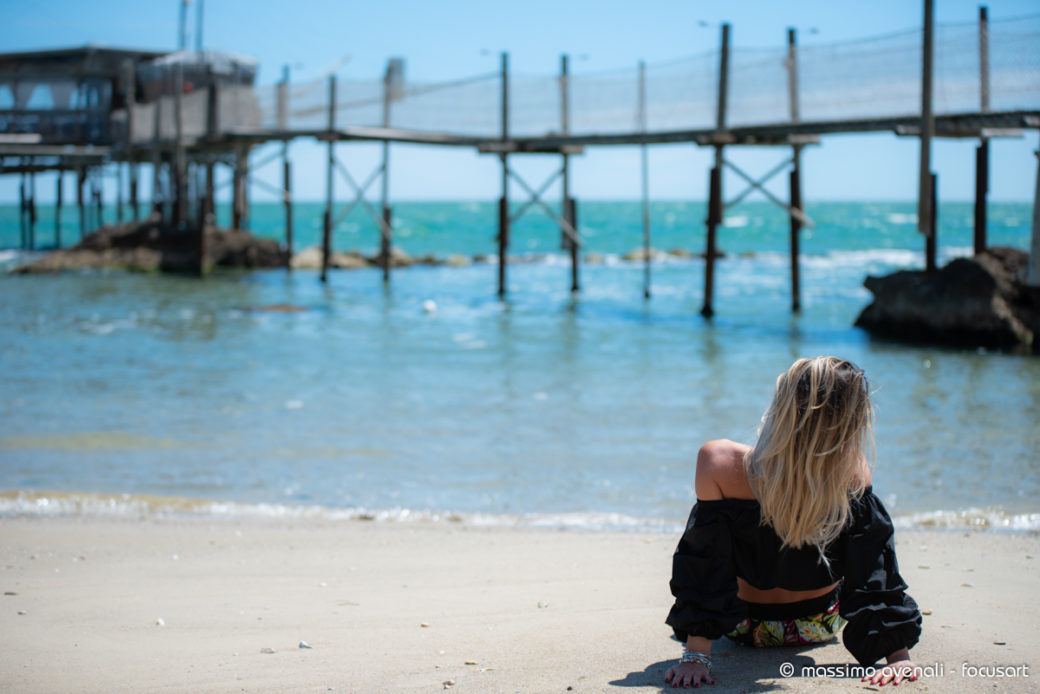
[(768, 633)]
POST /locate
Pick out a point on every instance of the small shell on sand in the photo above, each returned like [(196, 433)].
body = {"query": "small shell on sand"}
[(267, 651), (304, 644)]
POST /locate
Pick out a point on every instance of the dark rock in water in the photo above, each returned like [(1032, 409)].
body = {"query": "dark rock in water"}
[(154, 245), (236, 248), (972, 302)]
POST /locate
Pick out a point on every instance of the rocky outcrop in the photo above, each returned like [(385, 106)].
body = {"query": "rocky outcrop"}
[(152, 245), (398, 258), (310, 259), (640, 254), (971, 302)]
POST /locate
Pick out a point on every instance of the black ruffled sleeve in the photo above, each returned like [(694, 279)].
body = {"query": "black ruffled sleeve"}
[(704, 578), (882, 618)]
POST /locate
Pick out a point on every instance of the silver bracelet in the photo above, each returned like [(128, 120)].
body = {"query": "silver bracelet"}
[(689, 656)]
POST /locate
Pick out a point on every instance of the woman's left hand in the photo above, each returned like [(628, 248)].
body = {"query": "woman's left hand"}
[(894, 672)]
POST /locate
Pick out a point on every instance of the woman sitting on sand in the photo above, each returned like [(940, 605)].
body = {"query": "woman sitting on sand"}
[(787, 542)]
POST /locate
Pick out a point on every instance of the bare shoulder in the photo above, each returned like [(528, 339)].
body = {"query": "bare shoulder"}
[(720, 471), (865, 472)]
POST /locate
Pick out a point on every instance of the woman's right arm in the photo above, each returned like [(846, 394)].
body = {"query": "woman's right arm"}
[(703, 577)]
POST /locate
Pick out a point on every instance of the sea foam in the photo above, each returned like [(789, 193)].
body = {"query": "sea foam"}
[(134, 506)]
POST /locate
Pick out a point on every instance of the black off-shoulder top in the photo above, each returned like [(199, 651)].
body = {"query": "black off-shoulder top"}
[(725, 539)]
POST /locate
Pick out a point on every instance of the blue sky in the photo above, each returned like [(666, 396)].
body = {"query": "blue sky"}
[(450, 39)]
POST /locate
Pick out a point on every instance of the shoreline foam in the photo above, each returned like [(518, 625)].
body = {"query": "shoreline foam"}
[(28, 503)]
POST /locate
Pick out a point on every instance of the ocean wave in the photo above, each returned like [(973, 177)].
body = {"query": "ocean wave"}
[(901, 218), (134, 506), (865, 258), (85, 504), (12, 258), (972, 518), (898, 257)]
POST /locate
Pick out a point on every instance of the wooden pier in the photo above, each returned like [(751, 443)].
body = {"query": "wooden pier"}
[(186, 133)]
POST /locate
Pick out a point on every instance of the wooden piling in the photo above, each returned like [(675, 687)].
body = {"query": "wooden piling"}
[(387, 216), (180, 193), (287, 183), (81, 178), (212, 130), (326, 238), (97, 191), (130, 97), (385, 240), (210, 203), (796, 173), (242, 158), (283, 125), (982, 151), (503, 242), (931, 242), (200, 225), (32, 206), (715, 208), (924, 197), (58, 194), (135, 213), (503, 203), (119, 192), (212, 108), (570, 209), (570, 215), (236, 191), (240, 174), (645, 172), (157, 163), (714, 219), (23, 227), (981, 190), (796, 227)]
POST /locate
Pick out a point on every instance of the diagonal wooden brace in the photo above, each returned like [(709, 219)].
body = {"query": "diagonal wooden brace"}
[(568, 229), (757, 185)]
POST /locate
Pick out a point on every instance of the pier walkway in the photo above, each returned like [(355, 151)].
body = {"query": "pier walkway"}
[(976, 80)]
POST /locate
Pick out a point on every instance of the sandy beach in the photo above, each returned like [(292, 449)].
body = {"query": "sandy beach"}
[(159, 605)]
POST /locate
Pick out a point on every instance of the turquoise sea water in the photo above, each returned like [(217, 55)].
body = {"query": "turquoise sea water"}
[(543, 408)]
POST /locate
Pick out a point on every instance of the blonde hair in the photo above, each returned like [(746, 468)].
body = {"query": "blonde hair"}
[(805, 469)]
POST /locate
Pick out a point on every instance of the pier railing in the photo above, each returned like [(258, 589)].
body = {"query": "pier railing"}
[(873, 78)]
